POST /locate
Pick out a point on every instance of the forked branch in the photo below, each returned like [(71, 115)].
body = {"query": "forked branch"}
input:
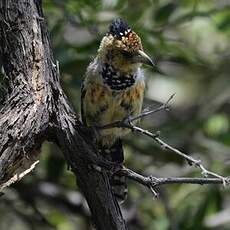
[(151, 182)]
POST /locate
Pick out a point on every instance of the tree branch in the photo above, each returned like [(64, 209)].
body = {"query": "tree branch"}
[(127, 122), (153, 182)]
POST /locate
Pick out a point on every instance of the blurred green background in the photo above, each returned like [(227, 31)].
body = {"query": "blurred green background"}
[(190, 41)]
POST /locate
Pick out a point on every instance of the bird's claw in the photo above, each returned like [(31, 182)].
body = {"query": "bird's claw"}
[(116, 168)]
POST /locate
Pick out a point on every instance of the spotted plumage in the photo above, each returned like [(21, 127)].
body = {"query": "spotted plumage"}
[(115, 80), (114, 87)]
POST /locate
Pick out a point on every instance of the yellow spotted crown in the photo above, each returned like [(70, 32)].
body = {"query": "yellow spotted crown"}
[(123, 37)]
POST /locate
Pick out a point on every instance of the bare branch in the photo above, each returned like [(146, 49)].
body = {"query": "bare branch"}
[(153, 182), (146, 112), (127, 122), (20, 174)]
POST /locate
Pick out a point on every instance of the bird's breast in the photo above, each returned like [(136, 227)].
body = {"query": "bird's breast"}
[(104, 106)]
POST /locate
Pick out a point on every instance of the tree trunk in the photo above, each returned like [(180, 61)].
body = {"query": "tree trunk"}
[(36, 109)]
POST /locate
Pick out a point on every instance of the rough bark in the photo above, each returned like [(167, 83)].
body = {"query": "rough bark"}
[(36, 109)]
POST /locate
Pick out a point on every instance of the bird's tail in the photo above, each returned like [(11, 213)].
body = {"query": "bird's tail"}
[(118, 183)]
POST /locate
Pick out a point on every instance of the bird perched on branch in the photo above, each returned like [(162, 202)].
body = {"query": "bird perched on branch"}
[(113, 89)]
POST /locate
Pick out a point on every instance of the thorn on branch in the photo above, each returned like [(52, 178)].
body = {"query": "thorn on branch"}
[(156, 195)]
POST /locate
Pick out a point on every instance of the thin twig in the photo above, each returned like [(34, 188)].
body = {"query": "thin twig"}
[(192, 161), (128, 123), (153, 182), (146, 112)]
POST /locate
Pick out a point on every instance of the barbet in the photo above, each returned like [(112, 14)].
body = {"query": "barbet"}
[(113, 89)]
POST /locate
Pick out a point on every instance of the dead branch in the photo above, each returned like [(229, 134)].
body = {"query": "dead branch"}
[(153, 182), (127, 122)]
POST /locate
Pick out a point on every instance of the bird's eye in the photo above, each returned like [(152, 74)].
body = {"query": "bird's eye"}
[(126, 54)]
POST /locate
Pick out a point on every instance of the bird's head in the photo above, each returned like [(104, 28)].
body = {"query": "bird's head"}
[(121, 47)]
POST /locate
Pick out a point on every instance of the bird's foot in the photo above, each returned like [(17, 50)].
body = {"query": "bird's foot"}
[(116, 169)]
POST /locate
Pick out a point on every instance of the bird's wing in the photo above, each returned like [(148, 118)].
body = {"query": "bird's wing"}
[(91, 73)]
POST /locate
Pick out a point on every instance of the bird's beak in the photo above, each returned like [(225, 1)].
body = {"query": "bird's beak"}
[(142, 57)]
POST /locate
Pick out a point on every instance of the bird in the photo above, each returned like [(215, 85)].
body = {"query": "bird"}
[(113, 89)]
